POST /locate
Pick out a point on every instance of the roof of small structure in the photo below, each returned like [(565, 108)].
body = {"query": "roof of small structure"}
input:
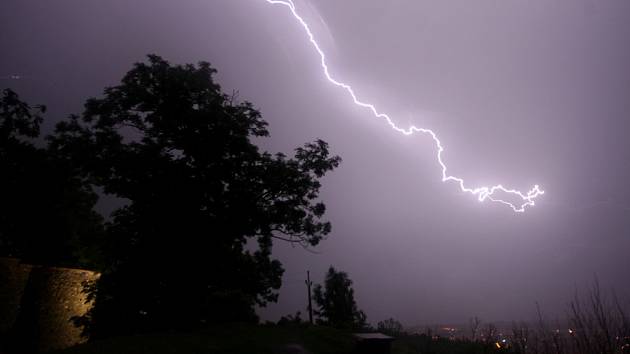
[(371, 336)]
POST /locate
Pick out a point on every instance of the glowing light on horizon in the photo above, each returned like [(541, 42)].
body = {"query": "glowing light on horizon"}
[(482, 193)]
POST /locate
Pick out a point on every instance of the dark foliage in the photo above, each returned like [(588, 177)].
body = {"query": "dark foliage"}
[(46, 214), (193, 244), (337, 307), (291, 320), (391, 327)]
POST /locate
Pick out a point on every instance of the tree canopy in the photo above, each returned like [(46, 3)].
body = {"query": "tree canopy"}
[(192, 245), (336, 303), (46, 211)]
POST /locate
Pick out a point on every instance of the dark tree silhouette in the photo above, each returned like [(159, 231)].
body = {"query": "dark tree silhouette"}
[(193, 243), (46, 214), (390, 327), (336, 303)]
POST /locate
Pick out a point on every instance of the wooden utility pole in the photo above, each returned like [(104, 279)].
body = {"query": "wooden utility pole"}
[(308, 287)]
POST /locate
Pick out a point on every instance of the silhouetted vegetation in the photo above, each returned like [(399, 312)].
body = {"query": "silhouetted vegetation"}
[(391, 327), (595, 323), (46, 209), (192, 246), (337, 307), (293, 320)]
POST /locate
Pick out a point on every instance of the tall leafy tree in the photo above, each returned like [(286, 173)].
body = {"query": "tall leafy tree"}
[(336, 303), (193, 243), (46, 210)]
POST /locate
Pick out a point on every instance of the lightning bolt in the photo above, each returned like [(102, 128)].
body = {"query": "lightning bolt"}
[(482, 193)]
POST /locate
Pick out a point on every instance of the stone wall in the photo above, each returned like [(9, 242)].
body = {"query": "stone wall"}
[(13, 278), (41, 302)]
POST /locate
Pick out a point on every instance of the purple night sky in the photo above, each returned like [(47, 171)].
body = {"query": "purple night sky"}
[(519, 92)]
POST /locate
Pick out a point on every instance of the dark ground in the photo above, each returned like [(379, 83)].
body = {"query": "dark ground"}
[(230, 339), (272, 339)]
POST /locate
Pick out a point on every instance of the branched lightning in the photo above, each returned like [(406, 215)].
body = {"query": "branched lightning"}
[(482, 193)]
